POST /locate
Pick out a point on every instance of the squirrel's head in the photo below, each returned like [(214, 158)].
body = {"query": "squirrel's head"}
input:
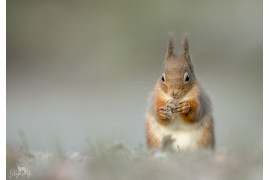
[(178, 76)]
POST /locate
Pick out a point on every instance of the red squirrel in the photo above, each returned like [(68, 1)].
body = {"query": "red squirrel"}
[(179, 108)]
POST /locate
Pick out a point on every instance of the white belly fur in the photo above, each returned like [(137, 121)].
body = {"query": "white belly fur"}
[(186, 137)]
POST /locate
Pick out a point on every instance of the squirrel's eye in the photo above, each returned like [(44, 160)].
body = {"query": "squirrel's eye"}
[(187, 78), (162, 78)]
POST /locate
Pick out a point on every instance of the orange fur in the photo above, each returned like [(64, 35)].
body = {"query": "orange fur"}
[(160, 102), (191, 116), (207, 137), (152, 140)]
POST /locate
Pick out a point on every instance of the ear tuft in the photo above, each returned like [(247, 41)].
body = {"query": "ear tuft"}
[(186, 46), (170, 47)]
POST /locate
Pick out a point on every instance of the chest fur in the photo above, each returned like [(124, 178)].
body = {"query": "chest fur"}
[(185, 137), (184, 140)]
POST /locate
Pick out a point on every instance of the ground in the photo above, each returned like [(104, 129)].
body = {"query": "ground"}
[(115, 161)]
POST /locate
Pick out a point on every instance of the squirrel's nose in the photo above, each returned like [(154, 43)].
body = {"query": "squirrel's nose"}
[(175, 92)]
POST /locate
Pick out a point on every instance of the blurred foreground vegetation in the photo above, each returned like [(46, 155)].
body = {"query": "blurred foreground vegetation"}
[(104, 161)]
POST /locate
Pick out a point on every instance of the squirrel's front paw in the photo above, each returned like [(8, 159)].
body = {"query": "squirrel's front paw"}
[(164, 114), (183, 107)]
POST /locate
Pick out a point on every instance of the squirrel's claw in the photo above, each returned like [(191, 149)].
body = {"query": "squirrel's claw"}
[(183, 107), (163, 114)]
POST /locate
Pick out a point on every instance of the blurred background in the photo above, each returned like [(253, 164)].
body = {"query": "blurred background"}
[(81, 71)]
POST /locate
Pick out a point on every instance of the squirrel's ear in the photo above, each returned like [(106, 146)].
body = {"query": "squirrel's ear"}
[(186, 47), (169, 53)]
